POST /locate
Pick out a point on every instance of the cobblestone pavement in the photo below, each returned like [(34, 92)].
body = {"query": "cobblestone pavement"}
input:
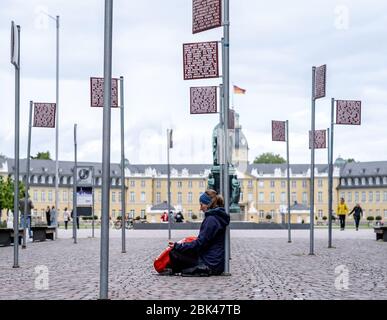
[(264, 266)]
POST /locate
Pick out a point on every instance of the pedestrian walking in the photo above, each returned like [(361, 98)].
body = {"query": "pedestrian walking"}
[(357, 212), (72, 216), (66, 218), (48, 216), (54, 217), (342, 211), (26, 224)]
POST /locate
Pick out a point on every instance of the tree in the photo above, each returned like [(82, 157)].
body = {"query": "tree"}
[(42, 156), (370, 219), (269, 217), (269, 158), (351, 160), (7, 194)]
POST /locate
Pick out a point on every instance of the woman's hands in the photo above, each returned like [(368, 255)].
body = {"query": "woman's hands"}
[(171, 245)]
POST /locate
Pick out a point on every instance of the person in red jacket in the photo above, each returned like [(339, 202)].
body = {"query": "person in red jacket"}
[(164, 217), (206, 255)]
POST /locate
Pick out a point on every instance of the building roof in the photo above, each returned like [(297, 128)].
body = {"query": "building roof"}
[(162, 207), (364, 169), (299, 207)]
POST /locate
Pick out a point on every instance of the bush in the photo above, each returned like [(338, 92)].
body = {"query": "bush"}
[(378, 218), (269, 217), (194, 217), (138, 218), (89, 218), (325, 218), (370, 219), (3, 224)]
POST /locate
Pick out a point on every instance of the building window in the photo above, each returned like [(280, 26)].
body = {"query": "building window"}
[(371, 197), (113, 197), (119, 197), (349, 197), (132, 197), (50, 196), (377, 196), (385, 180), (342, 195), (385, 196), (363, 197), (179, 198), (283, 197), (320, 183), (320, 197), (294, 184), (114, 214), (190, 199), (100, 196), (261, 214), (261, 184), (370, 181), (377, 181), (304, 184), (363, 181), (272, 213), (357, 197), (180, 184), (250, 197), (36, 196), (158, 184), (305, 198), (370, 213), (132, 214), (190, 184), (241, 197), (272, 184), (158, 198), (201, 184), (142, 214), (143, 197), (272, 197), (377, 213), (65, 196), (320, 214), (283, 184), (132, 183), (294, 197), (143, 184), (356, 181), (385, 214), (250, 184), (261, 198), (43, 196)]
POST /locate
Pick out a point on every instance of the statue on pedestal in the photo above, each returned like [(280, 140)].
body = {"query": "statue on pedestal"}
[(236, 191)]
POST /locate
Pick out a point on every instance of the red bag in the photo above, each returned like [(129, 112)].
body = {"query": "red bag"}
[(163, 261)]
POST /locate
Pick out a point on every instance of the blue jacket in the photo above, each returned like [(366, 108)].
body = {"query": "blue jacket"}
[(210, 245)]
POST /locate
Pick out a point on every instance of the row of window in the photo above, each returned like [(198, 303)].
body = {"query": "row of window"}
[(364, 197), (363, 181), (179, 184)]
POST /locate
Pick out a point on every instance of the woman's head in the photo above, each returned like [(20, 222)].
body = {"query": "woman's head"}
[(342, 200), (210, 200)]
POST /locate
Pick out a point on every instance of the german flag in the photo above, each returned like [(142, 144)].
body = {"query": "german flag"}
[(238, 90)]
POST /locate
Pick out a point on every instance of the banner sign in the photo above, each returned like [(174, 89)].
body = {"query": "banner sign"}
[(84, 176), (84, 197), (279, 131), (321, 81), (204, 100), (201, 60), (348, 112), (320, 140), (15, 45), (97, 92), (207, 14), (44, 115)]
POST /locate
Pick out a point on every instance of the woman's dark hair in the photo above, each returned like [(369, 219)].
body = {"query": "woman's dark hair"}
[(217, 200)]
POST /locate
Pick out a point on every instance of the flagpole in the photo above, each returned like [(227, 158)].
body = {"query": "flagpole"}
[(312, 167)]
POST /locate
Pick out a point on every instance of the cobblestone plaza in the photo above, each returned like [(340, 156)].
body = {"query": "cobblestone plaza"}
[(264, 267)]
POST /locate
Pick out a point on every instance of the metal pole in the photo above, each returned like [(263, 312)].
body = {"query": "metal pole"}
[(57, 128), (226, 87), (17, 164), (169, 185), (93, 220), (288, 169), (108, 52), (330, 183), (27, 186), (75, 215), (123, 189), (312, 168), (220, 141)]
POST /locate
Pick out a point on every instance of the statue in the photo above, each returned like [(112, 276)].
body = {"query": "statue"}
[(211, 182), (215, 145), (236, 190)]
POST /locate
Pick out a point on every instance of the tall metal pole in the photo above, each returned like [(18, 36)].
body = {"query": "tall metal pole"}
[(75, 213), (312, 167), (288, 170), (226, 88), (330, 183), (17, 164), (220, 140), (57, 127), (27, 182), (93, 221), (169, 133), (108, 52), (123, 186)]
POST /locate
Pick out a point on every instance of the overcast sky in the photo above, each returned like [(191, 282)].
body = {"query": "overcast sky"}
[(274, 45)]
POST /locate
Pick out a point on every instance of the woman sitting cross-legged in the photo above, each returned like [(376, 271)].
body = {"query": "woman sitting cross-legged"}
[(206, 255)]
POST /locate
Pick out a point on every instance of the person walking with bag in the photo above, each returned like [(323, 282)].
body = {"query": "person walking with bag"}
[(357, 212), (66, 218), (342, 211)]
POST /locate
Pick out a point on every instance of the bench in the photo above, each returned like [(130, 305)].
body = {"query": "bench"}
[(42, 233), (381, 233), (7, 237)]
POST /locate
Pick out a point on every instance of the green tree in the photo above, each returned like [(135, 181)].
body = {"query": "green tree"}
[(42, 156), (7, 194), (269, 158), (351, 160)]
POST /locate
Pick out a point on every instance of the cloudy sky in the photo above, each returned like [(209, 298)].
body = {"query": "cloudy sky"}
[(274, 45)]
